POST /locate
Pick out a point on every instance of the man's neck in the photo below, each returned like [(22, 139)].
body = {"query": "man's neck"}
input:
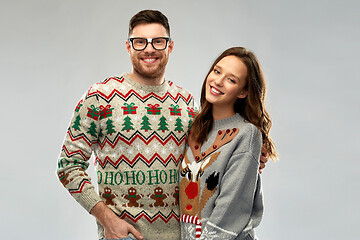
[(147, 81)]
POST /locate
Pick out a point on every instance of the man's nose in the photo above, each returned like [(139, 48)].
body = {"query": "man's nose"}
[(149, 48)]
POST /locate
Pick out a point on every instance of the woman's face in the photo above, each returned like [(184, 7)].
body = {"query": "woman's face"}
[(226, 83)]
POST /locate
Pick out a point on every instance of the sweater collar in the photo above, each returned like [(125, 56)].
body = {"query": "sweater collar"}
[(161, 88), (228, 122)]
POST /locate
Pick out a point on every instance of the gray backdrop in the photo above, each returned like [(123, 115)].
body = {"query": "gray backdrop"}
[(52, 51)]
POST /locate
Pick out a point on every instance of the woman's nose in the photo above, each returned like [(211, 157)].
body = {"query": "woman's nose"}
[(219, 81)]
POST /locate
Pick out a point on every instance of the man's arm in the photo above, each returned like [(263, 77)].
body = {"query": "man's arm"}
[(114, 227), (263, 159)]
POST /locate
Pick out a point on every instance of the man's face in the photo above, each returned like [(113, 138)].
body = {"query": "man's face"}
[(149, 63)]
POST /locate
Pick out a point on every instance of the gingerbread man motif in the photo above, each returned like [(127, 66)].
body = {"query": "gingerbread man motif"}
[(109, 196), (176, 196), (159, 197), (132, 197), (64, 178), (83, 173)]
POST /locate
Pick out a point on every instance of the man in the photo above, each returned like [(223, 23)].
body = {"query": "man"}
[(136, 126)]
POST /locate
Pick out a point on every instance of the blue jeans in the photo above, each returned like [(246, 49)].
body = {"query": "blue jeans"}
[(127, 238)]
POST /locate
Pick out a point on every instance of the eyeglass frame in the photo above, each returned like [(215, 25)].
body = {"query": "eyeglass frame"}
[(149, 40)]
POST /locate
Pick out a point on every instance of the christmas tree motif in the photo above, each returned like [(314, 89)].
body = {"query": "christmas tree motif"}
[(189, 124), (76, 125), (163, 124), (127, 124), (92, 129), (110, 127), (145, 124), (179, 125), (101, 133)]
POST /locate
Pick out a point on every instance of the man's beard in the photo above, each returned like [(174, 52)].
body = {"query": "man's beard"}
[(151, 73)]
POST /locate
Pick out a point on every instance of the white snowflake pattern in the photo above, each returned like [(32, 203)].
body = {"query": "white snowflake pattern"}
[(122, 87), (118, 119), (130, 151), (147, 151), (177, 152), (163, 151), (121, 148), (156, 146), (136, 118), (188, 231), (138, 147)]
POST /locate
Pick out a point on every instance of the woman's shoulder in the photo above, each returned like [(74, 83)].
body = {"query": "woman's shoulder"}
[(249, 136)]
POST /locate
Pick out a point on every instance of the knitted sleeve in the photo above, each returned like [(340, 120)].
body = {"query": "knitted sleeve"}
[(238, 202), (77, 149)]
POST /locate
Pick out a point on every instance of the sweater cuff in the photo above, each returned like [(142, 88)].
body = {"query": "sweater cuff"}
[(89, 199)]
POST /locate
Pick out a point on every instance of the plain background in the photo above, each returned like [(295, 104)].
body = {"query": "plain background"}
[(52, 51)]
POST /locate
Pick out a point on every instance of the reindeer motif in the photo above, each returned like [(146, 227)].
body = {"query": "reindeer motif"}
[(191, 201)]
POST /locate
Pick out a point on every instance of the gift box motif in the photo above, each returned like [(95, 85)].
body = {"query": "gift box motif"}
[(105, 112), (175, 110), (93, 112), (153, 109), (78, 106), (129, 108), (192, 112)]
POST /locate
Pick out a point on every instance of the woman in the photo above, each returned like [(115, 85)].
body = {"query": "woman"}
[(220, 188)]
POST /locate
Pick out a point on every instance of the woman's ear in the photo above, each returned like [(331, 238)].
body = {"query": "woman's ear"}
[(243, 94)]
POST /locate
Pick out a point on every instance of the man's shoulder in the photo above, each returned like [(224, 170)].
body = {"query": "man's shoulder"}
[(107, 85), (177, 88)]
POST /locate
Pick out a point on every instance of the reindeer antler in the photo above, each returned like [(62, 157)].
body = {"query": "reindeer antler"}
[(223, 137)]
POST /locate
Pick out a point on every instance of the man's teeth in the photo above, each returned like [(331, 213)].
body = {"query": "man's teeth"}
[(149, 59)]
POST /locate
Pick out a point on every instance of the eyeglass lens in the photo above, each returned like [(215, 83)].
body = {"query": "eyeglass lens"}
[(157, 43)]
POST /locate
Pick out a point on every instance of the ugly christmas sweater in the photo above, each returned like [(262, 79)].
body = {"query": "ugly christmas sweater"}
[(137, 134), (220, 189)]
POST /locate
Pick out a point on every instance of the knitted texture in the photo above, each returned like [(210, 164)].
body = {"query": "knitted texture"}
[(137, 134), (220, 184)]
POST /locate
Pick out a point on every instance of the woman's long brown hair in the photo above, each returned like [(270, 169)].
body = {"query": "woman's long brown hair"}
[(251, 108)]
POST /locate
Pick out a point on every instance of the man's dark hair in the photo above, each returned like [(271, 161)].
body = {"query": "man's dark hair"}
[(149, 16)]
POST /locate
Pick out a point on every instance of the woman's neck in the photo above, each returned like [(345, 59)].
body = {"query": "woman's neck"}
[(221, 113)]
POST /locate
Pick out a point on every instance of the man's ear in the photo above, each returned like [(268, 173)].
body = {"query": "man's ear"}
[(243, 94), (171, 46), (128, 46)]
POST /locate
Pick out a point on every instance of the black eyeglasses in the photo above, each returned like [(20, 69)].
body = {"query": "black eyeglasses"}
[(139, 44)]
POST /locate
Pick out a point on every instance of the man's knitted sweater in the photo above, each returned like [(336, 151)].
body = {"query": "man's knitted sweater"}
[(137, 134), (220, 189)]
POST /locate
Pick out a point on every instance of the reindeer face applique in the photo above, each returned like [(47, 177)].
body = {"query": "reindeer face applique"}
[(192, 198), (191, 204)]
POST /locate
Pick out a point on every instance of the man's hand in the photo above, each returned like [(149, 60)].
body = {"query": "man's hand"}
[(263, 159), (114, 227)]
